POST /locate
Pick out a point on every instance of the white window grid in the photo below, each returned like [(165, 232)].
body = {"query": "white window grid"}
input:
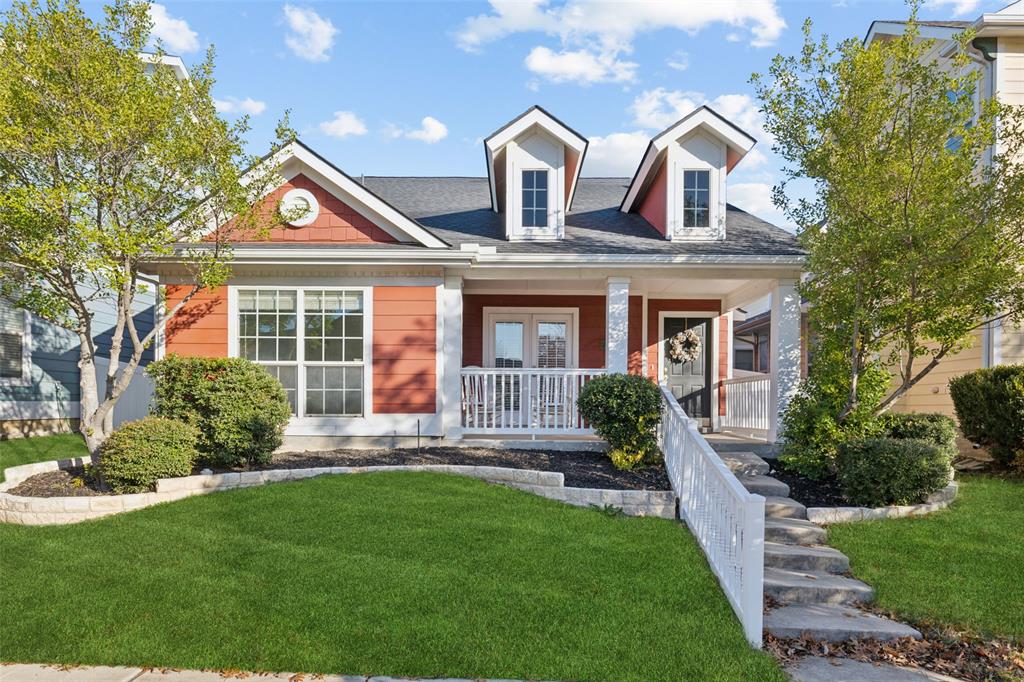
[(535, 211), (309, 376), (701, 196)]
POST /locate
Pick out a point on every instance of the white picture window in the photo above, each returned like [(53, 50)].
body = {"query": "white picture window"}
[(312, 340), (517, 338), (15, 333)]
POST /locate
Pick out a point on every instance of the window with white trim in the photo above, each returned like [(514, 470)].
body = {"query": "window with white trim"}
[(14, 344), (696, 198), (535, 198), (310, 339)]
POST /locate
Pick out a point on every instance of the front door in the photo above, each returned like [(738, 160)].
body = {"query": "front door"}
[(690, 382)]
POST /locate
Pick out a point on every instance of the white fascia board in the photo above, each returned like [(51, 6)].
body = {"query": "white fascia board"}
[(384, 212), (896, 28), (173, 62), (587, 259), (703, 117), (359, 192), (535, 117)]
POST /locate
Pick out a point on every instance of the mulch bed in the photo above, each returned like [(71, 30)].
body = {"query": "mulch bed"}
[(810, 493), (942, 650), (581, 469), (62, 483)]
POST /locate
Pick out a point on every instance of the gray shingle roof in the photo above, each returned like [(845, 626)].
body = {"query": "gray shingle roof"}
[(458, 210)]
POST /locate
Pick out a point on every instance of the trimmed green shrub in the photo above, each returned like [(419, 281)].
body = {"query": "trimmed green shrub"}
[(624, 409), (138, 453), (875, 472), (989, 405), (240, 410), (811, 429), (937, 429)]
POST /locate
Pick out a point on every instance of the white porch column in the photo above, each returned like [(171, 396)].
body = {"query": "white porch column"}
[(785, 350), (451, 358), (616, 345)]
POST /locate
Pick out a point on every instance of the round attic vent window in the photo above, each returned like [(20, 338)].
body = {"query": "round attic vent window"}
[(302, 204)]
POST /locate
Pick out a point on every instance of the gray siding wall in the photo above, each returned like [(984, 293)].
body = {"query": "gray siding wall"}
[(54, 376)]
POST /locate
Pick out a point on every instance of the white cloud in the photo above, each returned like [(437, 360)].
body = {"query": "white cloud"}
[(175, 33), (960, 7), (580, 66), (430, 131), (659, 108), (310, 36), (756, 198), (594, 34), (615, 155), (233, 105), (680, 60), (344, 124)]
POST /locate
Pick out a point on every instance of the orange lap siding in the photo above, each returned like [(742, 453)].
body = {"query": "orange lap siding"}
[(404, 350), (200, 328)]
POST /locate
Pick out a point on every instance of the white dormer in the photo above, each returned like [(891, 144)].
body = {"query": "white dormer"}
[(680, 186), (533, 164)]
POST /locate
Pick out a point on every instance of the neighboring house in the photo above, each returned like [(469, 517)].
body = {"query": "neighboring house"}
[(751, 342), (461, 306), (39, 387), (997, 52)]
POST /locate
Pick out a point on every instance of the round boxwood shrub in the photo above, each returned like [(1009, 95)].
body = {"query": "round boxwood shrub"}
[(875, 472), (624, 409), (138, 453), (937, 429), (989, 405), (239, 408)]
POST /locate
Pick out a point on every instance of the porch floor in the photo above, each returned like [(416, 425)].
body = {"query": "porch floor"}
[(728, 442)]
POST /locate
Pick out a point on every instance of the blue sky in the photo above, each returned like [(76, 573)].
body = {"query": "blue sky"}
[(412, 88)]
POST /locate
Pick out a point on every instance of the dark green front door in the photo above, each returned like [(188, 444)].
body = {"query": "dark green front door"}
[(690, 382)]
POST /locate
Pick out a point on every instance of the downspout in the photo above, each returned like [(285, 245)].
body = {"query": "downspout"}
[(983, 51)]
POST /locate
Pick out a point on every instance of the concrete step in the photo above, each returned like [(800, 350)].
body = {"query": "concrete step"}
[(814, 587), (833, 623), (764, 485), (793, 532), (805, 558), (784, 508), (745, 463)]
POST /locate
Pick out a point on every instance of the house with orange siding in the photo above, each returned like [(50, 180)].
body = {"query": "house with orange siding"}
[(478, 307)]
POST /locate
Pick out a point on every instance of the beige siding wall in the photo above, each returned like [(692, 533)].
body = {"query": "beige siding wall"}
[(931, 394), (1011, 346), (1010, 70)]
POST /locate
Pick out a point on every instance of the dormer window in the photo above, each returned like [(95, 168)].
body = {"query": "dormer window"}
[(696, 198), (533, 163), (535, 198), (680, 186)]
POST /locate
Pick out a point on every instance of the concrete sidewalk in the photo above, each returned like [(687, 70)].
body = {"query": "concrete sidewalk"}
[(21, 672)]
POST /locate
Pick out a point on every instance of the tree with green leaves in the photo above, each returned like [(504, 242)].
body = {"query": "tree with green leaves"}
[(915, 232), (110, 157)]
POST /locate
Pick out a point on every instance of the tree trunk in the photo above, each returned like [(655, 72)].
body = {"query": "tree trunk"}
[(91, 429)]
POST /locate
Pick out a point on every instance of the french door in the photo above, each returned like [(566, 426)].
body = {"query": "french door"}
[(530, 340)]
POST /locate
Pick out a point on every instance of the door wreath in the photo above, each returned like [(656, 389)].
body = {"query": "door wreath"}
[(684, 346)]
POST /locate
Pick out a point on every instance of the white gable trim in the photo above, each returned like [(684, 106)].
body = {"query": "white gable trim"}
[(534, 116), (295, 158), (702, 117)]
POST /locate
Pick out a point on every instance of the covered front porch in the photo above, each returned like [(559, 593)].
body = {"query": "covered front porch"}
[(527, 344)]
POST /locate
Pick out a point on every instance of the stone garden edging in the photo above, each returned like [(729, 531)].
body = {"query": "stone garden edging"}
[(63, 510), (940, 499)]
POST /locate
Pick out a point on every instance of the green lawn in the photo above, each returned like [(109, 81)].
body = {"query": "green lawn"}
[(397, 573), (40, 449), (961, 566)]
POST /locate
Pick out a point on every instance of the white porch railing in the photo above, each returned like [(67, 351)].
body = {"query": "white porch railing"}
[(726, 519), (748, 404), (532, 401)]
